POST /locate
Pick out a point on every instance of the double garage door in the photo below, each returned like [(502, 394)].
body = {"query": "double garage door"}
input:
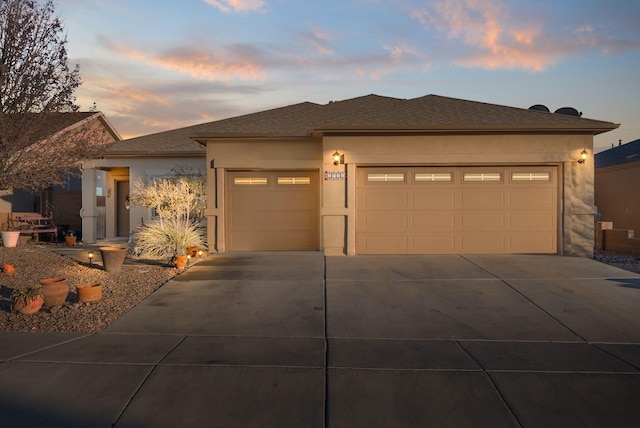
[(402, 210), (488, 210)]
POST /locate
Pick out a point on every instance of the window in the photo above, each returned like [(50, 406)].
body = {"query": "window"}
[(385, 177), (530, 176), (440, 177), (249, 180), (294, 180), (482, 176)]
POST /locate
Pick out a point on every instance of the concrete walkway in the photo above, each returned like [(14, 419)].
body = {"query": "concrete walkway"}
[(300, 340)]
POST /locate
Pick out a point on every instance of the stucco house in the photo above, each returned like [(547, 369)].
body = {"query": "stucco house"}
[(380, 175), (107, 182), (617, 180), (64, 202)]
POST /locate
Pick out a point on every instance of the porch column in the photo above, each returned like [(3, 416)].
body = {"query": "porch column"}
[(88, 212)]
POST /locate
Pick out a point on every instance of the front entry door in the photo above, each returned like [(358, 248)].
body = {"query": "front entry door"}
[(122, 213)]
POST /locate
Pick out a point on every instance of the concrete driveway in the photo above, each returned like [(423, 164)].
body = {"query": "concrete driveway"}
[(300, 340)]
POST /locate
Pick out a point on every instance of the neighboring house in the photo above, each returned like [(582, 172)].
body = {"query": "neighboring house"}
[(64, 202), (430, 175), (107, 182), (617, 180)]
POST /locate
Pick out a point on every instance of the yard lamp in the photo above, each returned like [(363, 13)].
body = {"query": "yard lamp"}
[(583, 156), (90, 258), (337, 158)]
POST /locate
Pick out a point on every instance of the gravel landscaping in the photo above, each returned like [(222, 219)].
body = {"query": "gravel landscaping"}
[(121, 290)]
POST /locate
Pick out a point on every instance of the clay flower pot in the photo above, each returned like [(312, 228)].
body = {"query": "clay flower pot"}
[(113, 258), (10, 237), (31, 307), (193, 251), (180, 261), (70, 240), (55, 291), (89, 292)]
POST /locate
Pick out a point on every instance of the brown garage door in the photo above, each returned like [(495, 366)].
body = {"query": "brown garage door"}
[(272, 210), (457, 210)]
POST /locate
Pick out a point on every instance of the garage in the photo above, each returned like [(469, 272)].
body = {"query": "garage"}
[(272, 210), (457, 210)]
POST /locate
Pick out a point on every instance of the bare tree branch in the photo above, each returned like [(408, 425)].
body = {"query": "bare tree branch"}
[(42, 137)]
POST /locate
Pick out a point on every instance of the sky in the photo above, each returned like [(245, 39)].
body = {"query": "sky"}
[(155, 65)]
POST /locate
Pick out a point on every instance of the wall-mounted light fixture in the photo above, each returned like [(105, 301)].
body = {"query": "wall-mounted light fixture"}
[(583, 156), (338, 159)]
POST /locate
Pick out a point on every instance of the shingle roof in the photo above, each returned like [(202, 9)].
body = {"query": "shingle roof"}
[(625, 153), (371, 112), (374, 112)]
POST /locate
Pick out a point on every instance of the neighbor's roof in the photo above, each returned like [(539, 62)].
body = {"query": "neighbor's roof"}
[(53, 123), (625, 153), (373, 113)]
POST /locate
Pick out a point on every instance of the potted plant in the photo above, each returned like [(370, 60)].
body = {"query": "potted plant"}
[(27, 300), (70, 238), (9, 234)]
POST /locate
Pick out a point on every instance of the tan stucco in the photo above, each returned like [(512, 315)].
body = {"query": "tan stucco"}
[(337, 227)]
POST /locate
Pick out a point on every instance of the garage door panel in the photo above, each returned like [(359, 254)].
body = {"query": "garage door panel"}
[(533, 199), (387, 222), (434, 200), (387, 243), (385, 200), (434, 221), (482, 243), (440, 243), (483, 221), (532, 221), (522, 242), (509, 209), (478, 198)]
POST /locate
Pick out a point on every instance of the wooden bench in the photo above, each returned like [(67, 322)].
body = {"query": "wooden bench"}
[(34, 224)]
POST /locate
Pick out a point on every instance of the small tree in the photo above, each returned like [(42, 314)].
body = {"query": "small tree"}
[(37, 100), (178, 203)]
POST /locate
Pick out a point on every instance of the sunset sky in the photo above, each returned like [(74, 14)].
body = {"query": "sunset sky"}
[(153, 65)]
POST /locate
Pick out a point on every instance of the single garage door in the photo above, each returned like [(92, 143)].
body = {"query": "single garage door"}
[(457, 210), (272, 210)]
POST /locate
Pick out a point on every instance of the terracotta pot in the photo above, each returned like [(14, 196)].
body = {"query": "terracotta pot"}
[(70, 241), (55, 291), (10, 237), (89, 292), (180, 261), (193, 251), (112, 258), (31, 307)]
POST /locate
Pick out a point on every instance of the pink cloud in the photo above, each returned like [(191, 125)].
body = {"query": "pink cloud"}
[(230, 6), (237, 62), (320, 40), (496, 38)]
